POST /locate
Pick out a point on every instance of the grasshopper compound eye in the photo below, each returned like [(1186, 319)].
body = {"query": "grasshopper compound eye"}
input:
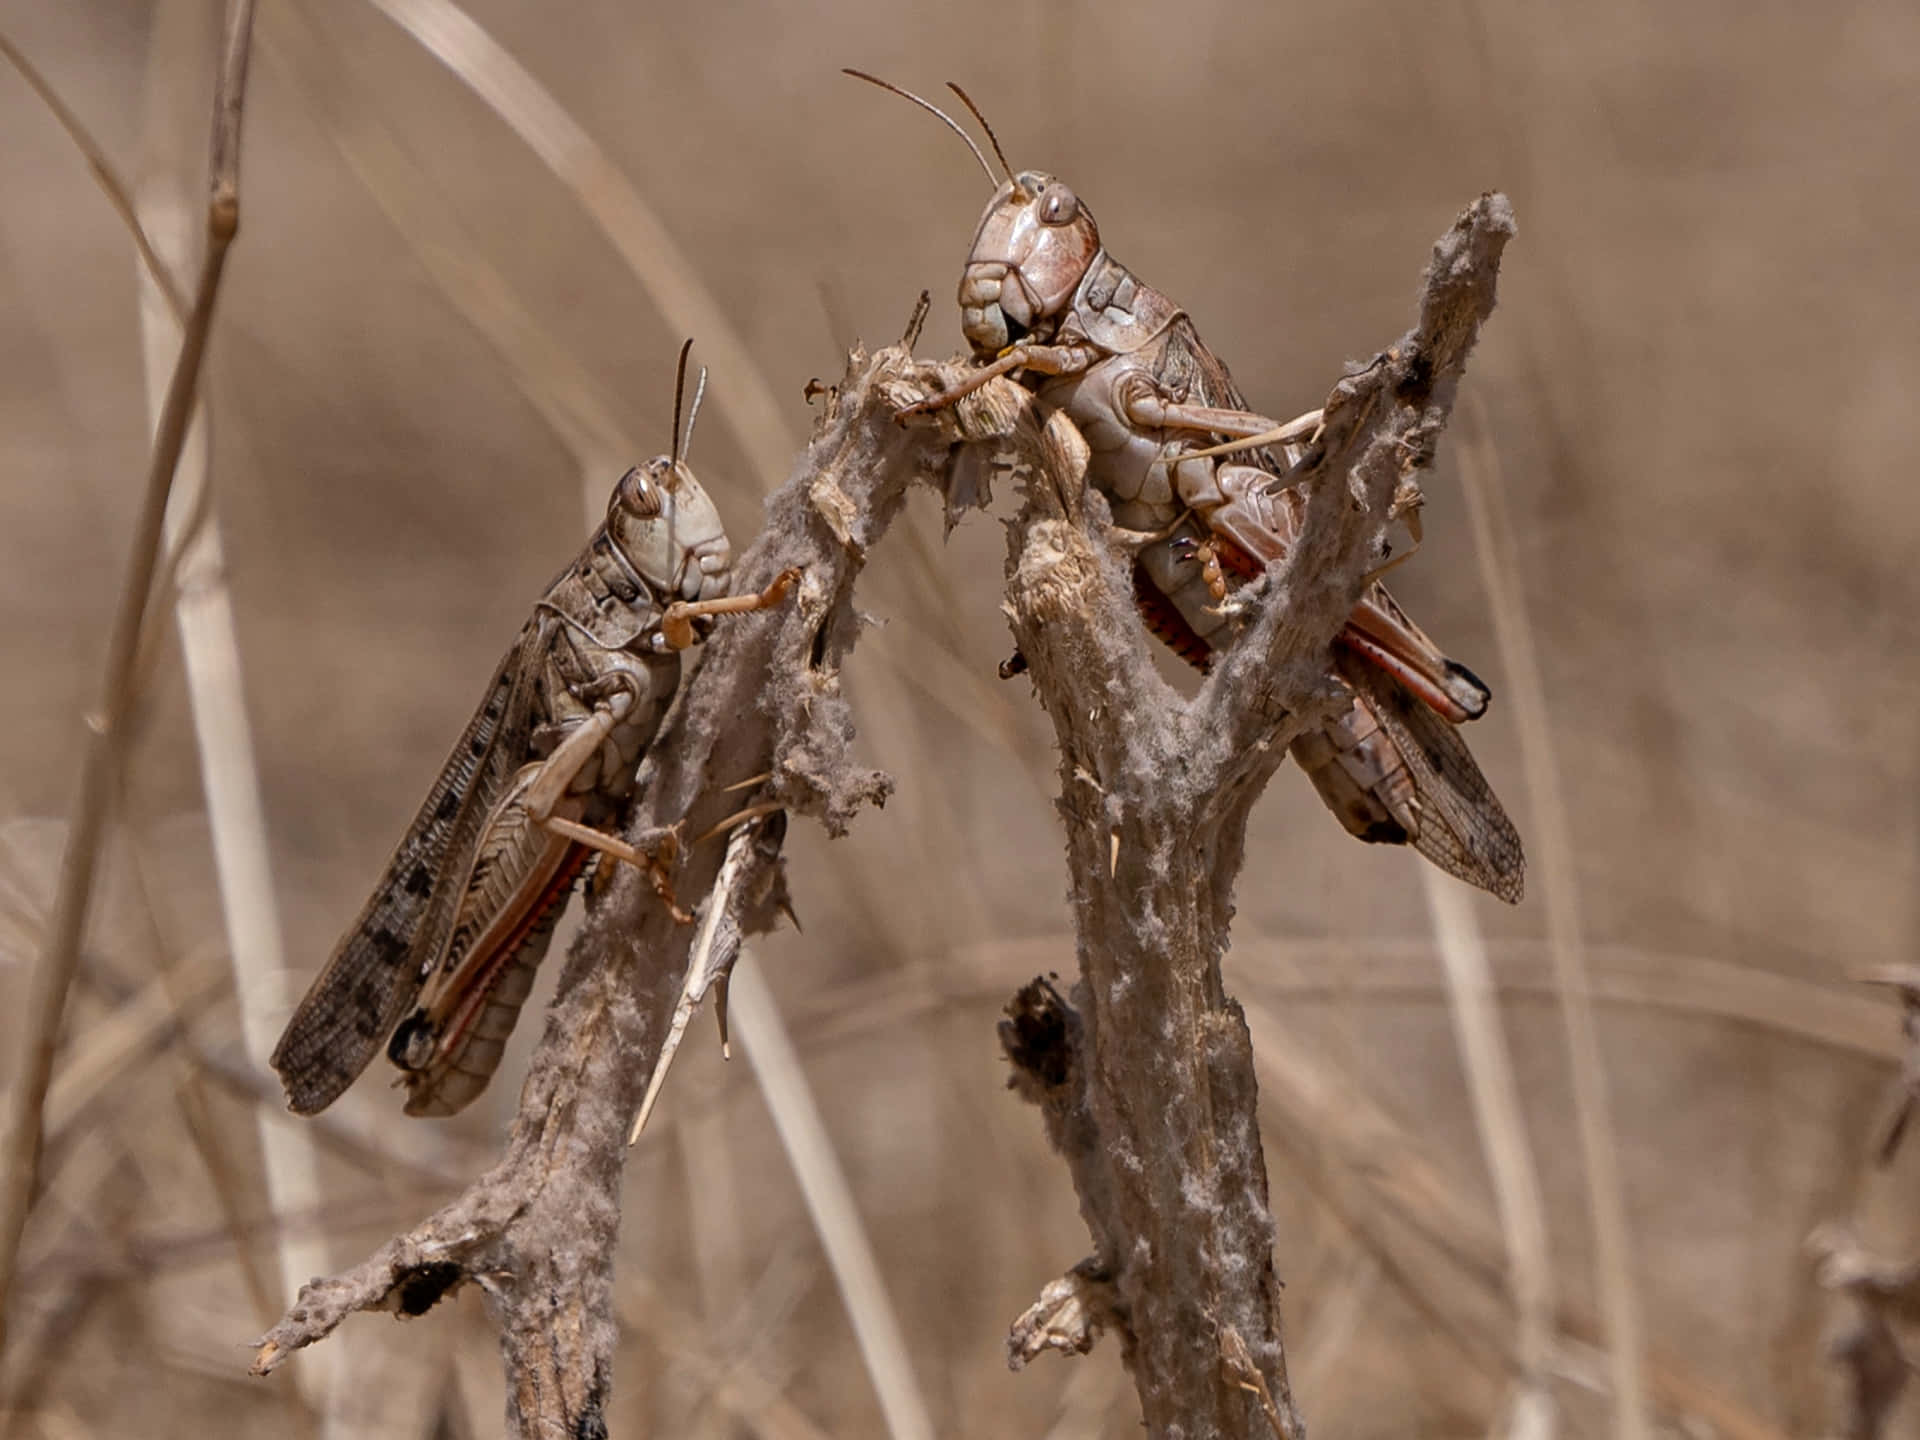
[(638, 494), (1058, 205)]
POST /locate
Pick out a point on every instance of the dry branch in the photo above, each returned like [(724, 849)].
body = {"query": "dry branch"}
[(537, 1232), (1147, 1080), (1866, 1349)]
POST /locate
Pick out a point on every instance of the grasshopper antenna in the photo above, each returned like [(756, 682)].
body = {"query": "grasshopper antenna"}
[(992, 139), (945, 118), (693, 414), (680, 389), (683, 442)]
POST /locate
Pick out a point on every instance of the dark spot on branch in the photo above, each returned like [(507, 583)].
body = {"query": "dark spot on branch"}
[(817, 656), (592, 1424), (422, 1287), (1038, 1034), (1417, 384)]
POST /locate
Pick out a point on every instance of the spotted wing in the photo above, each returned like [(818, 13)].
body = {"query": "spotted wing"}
[(378, 967), (1462, 828)]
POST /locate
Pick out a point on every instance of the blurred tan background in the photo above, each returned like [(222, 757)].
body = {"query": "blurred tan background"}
[(1693, 403)]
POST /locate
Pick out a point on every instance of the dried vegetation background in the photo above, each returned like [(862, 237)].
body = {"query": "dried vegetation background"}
[(1694, 405)]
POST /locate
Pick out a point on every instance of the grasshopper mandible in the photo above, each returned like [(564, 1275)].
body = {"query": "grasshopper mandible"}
[(444, 952), (1041, 299)]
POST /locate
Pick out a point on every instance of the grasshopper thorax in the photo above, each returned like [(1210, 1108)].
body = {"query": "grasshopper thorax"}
[(664, 524), (1032, 250)]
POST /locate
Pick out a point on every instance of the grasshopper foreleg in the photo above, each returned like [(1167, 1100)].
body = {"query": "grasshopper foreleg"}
[(1041, 359), (676, 625)]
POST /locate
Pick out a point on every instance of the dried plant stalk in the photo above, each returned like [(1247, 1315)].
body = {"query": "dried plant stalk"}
[(1147, 1079), (829, 1199), (537, 1232), (53, 976), (1613, 1266), (1501, 1121)]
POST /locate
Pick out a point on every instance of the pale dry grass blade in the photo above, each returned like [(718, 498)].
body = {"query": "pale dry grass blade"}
[(1086, 1404), (707, 1160), (1400, 1193), (687, 1346), (759, 1360), (103, 173), (1400, 971), (135, 1031), (1501, 1122), (829, 1199), (565, 394), (30, 847), (230, 1189), (628, 222), (1614, 1280), (574, 405), (223, 734), (53, 975), (58, 1422), (480, 1390), (1337, 1322), (641, 239), (357, 1137), (925, 663), (1530, 1413)]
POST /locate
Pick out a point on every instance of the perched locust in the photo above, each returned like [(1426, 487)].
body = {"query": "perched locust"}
[(443, 954), (1041, 298)]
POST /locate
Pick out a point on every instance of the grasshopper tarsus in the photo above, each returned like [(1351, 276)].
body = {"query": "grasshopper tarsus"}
[(656, 865), (676, 624)]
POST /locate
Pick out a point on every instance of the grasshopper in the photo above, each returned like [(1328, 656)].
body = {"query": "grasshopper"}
[(443, 954), (1040, 298)]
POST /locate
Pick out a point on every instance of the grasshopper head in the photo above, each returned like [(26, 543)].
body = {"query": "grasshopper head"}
[(1029, 256), (1031, 251), (664, 522)]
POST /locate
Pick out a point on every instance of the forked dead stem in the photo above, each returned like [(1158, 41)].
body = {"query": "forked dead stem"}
[(1146, 1078)]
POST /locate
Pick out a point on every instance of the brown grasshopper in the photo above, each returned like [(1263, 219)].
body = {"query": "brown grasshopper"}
[(444, 952), (1042, 299)]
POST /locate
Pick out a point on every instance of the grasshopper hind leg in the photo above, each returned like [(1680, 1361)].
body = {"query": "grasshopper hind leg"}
[(656, 866)]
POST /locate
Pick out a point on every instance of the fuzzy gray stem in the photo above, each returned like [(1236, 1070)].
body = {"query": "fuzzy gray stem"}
[(1146, 1080)]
